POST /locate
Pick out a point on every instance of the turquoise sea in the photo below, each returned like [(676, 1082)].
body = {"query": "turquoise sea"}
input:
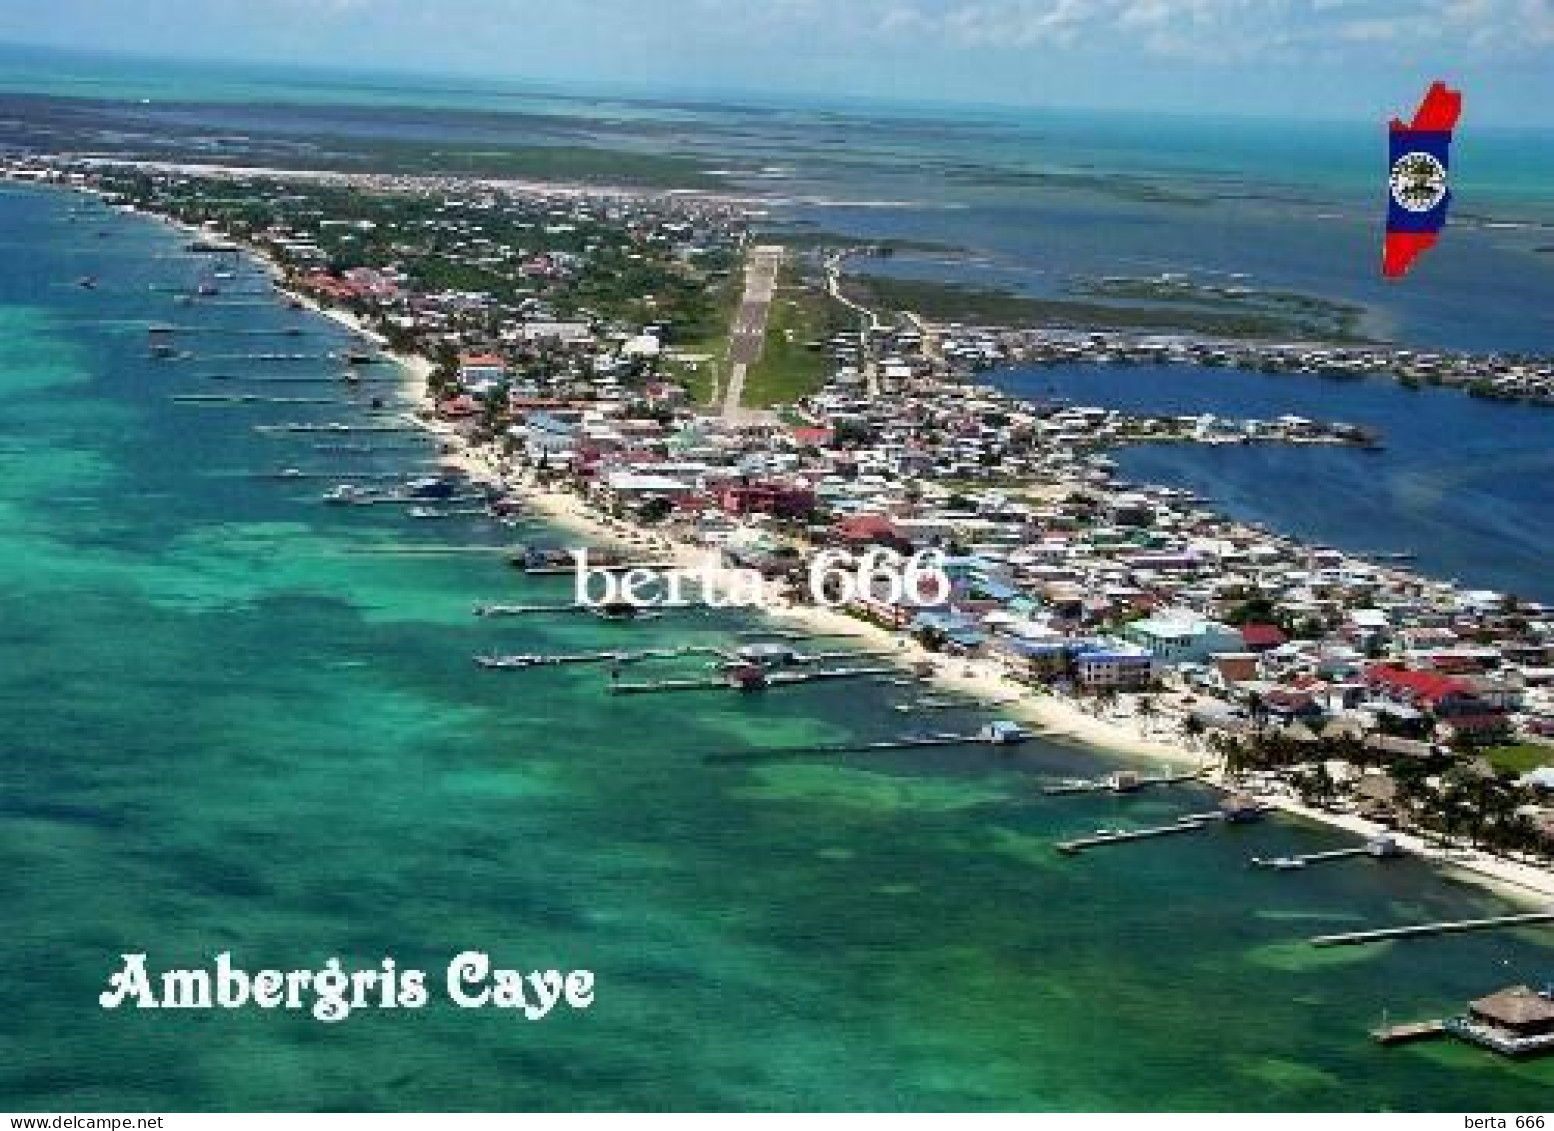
[(238, 720)]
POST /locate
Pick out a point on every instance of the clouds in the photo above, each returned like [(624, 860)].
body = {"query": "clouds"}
[(1346, 58), (1211, 28), (1207, 29)]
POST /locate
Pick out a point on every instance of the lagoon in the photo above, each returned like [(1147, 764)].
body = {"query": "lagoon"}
[(1466, 484)]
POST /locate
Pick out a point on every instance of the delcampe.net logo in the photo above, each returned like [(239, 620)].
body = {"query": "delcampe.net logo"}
[(833, 579)]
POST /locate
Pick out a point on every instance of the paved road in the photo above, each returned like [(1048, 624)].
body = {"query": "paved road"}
[(868, 323), (749, 334)]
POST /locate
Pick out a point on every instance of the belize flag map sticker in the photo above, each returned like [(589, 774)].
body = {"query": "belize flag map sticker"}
[(1418, 195)]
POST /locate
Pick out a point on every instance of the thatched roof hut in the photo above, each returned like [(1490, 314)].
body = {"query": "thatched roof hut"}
[(1519, 1009)]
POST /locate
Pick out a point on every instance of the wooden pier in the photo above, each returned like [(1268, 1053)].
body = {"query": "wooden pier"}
[(334, 427), (1116, 783), (285, 473), (235, 331), (786, 634), (615, 567), (269, 356), (346, 379), (1423, 930), (774, 679), (908, 742), (1123, 836), (525, 660), (1288, 863), (1408, 1031), (503, 610), (432, 501), (227, 399)]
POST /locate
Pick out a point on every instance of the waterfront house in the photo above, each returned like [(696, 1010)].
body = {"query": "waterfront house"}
[(481, 369), (1114, 666), (782, 498), (1179, 636), (1515, 1021)]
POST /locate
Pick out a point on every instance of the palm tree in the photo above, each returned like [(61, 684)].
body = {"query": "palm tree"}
[(1146, 711), (1191, 728)]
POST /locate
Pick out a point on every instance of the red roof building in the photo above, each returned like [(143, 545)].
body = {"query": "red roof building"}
[(812, 437), (786, 500), (456, 408), (1262, 637), (1440, 695), (868, 529)]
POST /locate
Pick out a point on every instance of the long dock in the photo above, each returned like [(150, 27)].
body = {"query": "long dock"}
[(1112, 784), (285, 473), (422, 549), (346, 379), (1123, 836), (1423, 930), (784, 634), (504, 610), (776, 679), (612, 567), (1301, 860), (909, 742), (270, 356), (333, 426), (434, 501), (247, 399), (523, 660), (237, 331)]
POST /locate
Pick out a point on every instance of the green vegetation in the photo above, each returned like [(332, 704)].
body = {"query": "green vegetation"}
[(954, 302), (708, 337), (1136, 189), (794, 362), (543, 162), (806, 238), (600, 271), (1520, 757), (1310, 314), (561, 163), (1452, 795)]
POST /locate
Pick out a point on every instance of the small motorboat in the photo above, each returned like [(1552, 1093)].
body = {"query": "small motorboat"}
[(344, 494)]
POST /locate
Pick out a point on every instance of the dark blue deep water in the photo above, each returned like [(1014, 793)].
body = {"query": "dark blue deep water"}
[(1467, 484)]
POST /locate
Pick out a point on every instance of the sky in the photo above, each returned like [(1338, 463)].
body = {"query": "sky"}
[(1340, 59)]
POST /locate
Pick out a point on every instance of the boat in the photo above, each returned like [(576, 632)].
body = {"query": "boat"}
[(344, 493), (1282, 863), (431, 487), (1003, 732), (1123, 781), (747, 677), (1240, 808), (87, 282)]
